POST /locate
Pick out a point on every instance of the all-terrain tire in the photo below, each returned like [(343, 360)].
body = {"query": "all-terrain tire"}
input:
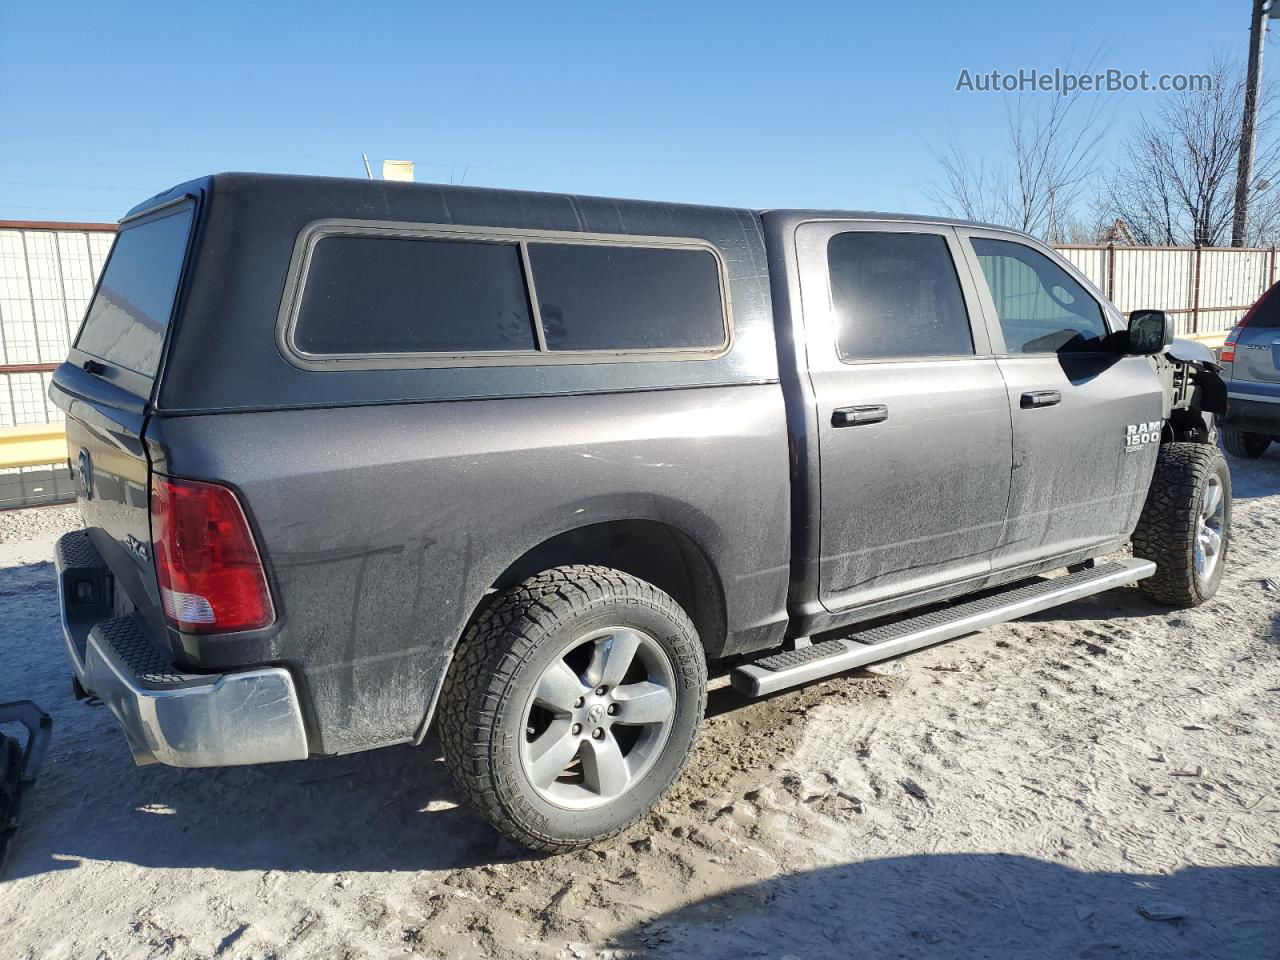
[(1242, 443), (491, 679), (1168, 527)]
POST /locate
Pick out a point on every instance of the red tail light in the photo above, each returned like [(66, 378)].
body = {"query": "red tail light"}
[(1228, 352), (211, 576)]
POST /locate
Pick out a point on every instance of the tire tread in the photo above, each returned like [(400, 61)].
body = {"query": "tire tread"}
[(1166, 529), (481, 679)]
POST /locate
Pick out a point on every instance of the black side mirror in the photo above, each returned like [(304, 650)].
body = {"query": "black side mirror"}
[(1150, 331)]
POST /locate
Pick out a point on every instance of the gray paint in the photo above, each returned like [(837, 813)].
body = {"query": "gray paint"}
[(383, 526)]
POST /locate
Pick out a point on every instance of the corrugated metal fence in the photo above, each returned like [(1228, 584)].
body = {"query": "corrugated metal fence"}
[(47, 273), (1207, 289)]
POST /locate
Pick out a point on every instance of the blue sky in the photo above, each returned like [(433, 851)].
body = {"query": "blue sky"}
[(766, 105)]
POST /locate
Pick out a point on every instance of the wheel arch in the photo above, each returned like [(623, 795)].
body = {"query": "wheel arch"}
[(653, 550)]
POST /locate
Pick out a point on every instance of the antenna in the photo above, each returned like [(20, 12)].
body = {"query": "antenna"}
[(367, 169)]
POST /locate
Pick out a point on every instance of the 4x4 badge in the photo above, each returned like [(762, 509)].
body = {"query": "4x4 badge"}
[(137, 548)]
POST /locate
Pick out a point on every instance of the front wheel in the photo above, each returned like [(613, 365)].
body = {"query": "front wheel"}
[(572, 705), (1242, 443), (1185, 525)]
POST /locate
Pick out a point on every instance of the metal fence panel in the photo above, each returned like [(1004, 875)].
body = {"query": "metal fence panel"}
[(1207, 289)]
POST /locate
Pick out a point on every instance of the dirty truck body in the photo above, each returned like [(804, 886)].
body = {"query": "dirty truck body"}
[(355, 455)]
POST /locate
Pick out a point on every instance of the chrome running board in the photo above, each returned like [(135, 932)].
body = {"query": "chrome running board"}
[(826, 657)]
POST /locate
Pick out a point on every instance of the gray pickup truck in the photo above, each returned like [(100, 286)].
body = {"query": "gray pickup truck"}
[(355, 457)]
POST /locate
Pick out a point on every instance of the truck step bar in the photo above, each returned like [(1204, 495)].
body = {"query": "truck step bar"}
[(827, 657)]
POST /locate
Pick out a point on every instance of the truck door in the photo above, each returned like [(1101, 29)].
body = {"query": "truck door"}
[(1086, 418), (912, 413)]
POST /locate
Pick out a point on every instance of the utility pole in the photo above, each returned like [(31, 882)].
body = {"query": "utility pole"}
[(1248, 122)]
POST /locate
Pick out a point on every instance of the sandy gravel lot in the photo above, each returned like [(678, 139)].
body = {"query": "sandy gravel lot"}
[(1102, 780)]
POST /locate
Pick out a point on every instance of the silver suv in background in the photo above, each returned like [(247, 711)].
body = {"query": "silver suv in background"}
[(1251, 367)]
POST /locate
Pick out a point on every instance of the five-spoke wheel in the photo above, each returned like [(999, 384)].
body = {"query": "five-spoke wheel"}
[(572, 705), (1208, 546), (598, 717)]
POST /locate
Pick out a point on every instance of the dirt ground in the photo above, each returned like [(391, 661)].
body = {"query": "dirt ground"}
[(1102, 780)]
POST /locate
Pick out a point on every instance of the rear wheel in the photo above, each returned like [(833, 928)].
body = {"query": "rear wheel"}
[(1241, 443), (1185, 525), (572, 705)]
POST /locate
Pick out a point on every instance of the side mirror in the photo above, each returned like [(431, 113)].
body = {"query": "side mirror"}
[(1150, 331)]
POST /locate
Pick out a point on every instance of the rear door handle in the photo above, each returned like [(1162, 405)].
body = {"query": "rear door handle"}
[(853, 416), (1040, 398)]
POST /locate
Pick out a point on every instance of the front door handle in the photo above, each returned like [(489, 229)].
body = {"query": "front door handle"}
[(853, 416), (1040, 398)]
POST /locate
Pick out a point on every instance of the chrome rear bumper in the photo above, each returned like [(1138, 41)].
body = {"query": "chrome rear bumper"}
[(168, 715)]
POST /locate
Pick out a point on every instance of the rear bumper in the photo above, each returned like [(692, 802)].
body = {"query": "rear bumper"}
[(1253, 406), (168, 715)]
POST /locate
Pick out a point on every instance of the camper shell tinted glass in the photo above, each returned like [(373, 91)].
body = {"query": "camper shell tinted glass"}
[(614, 297), (413, 295), (430, 295), (126, 322)]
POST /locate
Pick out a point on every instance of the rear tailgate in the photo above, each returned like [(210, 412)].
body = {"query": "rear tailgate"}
[(1258, 354), (1257, 342), (105, 389)]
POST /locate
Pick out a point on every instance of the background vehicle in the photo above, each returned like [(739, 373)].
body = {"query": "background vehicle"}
[(1251, 368), (355, 455)]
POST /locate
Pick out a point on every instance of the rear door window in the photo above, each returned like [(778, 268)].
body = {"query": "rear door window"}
[(1041, 307), (126, 321), (896, 295), (381, 295)]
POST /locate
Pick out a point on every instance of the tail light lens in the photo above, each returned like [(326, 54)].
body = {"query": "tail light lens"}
[(211, 576), (1228, 352)]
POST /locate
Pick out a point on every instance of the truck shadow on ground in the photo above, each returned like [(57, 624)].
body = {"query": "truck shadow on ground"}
[(981, 905), (385, 810)]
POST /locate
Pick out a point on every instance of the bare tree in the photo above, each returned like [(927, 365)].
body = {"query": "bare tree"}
[(1177, 175), (1051, 152), (969, 188)]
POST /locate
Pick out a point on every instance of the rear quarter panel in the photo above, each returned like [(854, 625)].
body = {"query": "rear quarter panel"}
[(384, 526)]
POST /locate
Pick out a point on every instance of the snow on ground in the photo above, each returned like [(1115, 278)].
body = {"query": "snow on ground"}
[(1101, 780)]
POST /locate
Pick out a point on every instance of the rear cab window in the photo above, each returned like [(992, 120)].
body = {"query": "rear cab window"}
[(427, 298), (126, 322)]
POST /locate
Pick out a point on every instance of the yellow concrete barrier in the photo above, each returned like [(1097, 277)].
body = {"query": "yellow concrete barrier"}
[(33, 446), (1213, 341)]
